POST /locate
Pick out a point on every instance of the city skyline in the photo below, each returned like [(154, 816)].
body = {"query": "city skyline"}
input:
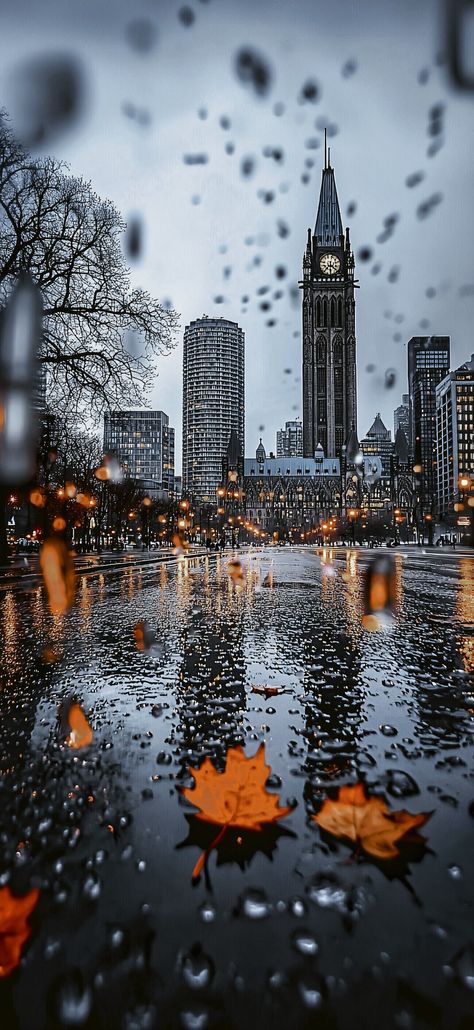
[(382, 124)]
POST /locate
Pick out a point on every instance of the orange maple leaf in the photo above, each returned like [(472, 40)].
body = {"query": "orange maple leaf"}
[(235, 797), (267, 691), (14, 929), (59, 574), (367, 821)]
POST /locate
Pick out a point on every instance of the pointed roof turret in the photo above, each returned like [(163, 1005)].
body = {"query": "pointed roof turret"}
[(378, 429), (260, 453), (400, 447), (233, 449), (352, 447), (328, 229)]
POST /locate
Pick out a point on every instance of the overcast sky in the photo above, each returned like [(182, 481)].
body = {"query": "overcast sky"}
[(211, 233)]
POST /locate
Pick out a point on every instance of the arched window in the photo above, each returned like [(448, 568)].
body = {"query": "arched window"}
[(318, 312), (333, 311), (339, 311), (325, 311), (338, 351), (321, 350)]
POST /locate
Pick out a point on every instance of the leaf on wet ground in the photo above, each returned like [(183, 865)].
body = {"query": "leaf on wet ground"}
[(14, 928), (235, 797), (268, 691), (57, 567), (368, 822)]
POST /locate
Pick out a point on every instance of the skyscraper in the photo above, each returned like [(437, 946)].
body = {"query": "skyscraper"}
[(213, 401), (455, 436), (401, 417), (143, 442), (329, 344), (428, 364), (289, 441)]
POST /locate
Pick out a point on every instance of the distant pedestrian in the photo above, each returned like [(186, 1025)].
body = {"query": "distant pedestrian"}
[(453, 542)]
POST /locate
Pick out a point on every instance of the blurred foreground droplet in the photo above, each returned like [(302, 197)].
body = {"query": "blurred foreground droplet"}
[(59, 575), (46, 96), (380, 584), (20, 335), (74, 725)]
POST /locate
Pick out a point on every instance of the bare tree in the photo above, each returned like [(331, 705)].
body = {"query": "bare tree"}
[(55, 227)]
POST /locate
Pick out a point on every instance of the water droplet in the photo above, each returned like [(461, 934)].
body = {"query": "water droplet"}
[(207, 912), (304, 943), (463, 965), (400, 784), (297, 907), (92, 888), (254, 904), (310, 993), (195, 1019), (73, 999), (197, 969), (455, 872)]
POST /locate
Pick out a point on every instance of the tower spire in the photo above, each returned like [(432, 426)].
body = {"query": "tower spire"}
[(328, 228), (325, 148)]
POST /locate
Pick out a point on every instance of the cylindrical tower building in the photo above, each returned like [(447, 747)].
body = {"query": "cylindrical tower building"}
[(213, 401)]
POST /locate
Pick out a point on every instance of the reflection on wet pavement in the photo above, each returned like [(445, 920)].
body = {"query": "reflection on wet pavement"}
[(288, 922)]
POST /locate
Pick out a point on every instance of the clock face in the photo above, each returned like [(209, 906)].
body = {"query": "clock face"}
[(329, 264)]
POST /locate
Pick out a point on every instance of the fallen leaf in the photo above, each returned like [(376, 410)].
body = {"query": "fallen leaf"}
[(59, 574), (235, 797), (14, 929), (367, 821), (267, 691), (75, 725)]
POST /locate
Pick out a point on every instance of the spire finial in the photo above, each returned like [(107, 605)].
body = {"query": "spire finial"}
[(325, 148)]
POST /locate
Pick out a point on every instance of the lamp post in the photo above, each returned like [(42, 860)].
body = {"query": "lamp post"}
[(352, 513), (466, 498)]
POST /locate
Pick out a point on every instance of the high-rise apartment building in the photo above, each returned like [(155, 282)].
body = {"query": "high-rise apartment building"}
[(428, 364), (289, 441), (143, 442), (213, 401), (454, 435), (378, 441), (329, 343), (401, 417)]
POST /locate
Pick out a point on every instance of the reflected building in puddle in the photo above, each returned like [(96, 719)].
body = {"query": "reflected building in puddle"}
[(211, 696)]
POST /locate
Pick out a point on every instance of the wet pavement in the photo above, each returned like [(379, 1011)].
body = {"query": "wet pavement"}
[(287, 926)]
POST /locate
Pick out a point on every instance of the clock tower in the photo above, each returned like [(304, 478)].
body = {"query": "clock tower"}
[(329, 343)]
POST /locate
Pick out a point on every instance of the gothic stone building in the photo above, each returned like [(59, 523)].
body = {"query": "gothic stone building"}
[(329, 342)]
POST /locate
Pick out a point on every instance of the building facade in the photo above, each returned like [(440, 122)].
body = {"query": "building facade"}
[(213, 401), (289, 441), (329, 340), (428, 364), (455, 439), (401, 417), (143, 442), (378, 440)]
